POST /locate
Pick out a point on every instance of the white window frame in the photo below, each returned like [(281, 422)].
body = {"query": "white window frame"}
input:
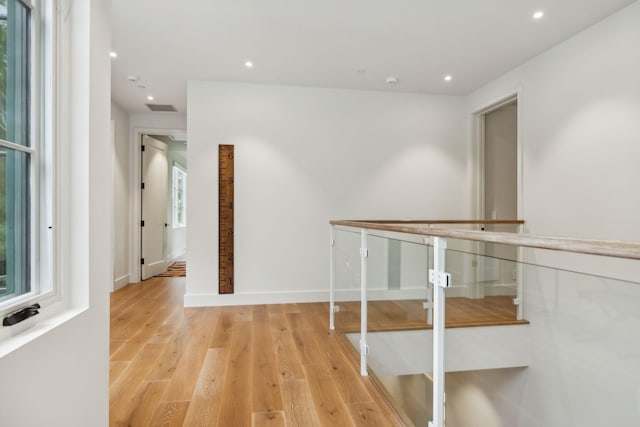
[(175, 171), (43, 289)]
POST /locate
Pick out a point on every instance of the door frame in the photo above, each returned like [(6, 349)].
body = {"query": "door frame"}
[(136, 194), (476, 150), (476, 182)]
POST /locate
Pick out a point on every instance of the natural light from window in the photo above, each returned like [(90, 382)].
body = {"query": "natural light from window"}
[(178, 197)]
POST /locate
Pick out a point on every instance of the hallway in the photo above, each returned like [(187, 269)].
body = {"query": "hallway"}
[(259, 365)]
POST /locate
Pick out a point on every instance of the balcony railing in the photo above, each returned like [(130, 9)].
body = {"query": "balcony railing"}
[(510, 299)]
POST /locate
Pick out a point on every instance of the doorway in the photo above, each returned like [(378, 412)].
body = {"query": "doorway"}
[(497, 195), (153, 207), (501, 162), (163, 183), (167, 136)]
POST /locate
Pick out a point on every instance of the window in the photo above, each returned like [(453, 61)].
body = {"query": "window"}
[(20, 155), (179, 191)]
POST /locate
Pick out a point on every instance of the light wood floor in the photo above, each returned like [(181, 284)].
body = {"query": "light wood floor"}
[(260, 365), (409, 314)]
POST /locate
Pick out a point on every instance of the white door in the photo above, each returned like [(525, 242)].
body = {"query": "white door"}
[(154, 207)]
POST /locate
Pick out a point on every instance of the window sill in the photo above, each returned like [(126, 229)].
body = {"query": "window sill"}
[(50, 317)]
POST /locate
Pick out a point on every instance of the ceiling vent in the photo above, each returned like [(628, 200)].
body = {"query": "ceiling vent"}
[(161, 107)]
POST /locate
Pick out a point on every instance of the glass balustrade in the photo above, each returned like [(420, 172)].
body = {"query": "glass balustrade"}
[(525, 343)]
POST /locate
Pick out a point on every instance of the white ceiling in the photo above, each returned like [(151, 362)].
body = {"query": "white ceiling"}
[(325, 42)]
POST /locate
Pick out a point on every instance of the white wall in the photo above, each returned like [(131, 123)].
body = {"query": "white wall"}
[(122, 195), (579, 130), (305, 156), (151, 121), (61, 378), (579, 110)]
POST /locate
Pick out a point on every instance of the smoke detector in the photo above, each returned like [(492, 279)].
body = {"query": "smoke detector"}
[(391, 80), (132, 78)]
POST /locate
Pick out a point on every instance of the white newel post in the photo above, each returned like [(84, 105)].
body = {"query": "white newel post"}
[(332, 276), (364, 349), (440, 280)]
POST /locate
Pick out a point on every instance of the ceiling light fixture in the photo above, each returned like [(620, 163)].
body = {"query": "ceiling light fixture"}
[(248, 64), (113, 54), (448, 78), (538, 14), (150, 98), (392, 80)]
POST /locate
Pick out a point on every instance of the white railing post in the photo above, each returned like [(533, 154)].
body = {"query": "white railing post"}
[(429, 292), (440, 280), (429, 287), (429, 304), (520, 281), (364, 348), (332, 276)]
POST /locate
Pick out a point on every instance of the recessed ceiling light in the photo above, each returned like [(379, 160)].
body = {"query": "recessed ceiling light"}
[(538, 14), (248, 64), (150, 98), (113, 54), (448, 78)]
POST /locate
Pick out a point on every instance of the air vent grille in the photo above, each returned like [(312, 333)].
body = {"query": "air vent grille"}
[(161, 107)]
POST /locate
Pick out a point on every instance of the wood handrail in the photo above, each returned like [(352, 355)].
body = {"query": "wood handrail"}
[(617, 249), (438, 221)]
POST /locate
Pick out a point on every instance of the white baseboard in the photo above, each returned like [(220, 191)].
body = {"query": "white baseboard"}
[(284, 297), (457, 291), (121, 282), (508, 289)]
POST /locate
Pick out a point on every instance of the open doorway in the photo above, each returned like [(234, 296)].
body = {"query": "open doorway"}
[(163, 182), (500, 169), (496, 161), (497, 195)]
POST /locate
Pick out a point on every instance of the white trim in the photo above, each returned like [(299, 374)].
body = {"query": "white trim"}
[(179, 166), (476, 173), (28, 3), (44, 80), (134, 185), (476, 152), (286, 297), (34, 327), (121, 282)]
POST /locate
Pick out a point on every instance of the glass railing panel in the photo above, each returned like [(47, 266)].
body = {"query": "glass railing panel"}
[(573, 359), (347, 278), (412, 394), (582, 357), (397, 279), (484, 290)]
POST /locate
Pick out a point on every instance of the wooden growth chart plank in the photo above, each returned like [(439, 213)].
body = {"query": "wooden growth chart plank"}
[(225, 219)]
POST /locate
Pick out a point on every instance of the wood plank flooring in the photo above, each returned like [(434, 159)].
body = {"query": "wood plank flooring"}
[(275, 365), (409, 314)]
